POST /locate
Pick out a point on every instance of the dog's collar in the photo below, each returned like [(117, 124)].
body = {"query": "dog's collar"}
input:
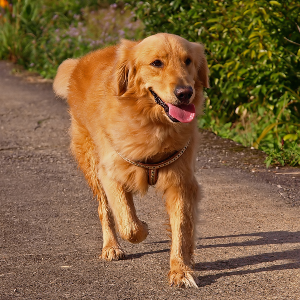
[(152, 169)]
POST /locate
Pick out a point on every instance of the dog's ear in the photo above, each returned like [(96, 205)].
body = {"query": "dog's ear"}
[(124, 65), (203, 70)]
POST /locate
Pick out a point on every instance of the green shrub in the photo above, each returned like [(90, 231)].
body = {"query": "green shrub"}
[(252, 50), (255, 72)]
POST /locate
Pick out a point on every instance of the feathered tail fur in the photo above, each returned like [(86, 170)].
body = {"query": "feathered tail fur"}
[(62, 78)]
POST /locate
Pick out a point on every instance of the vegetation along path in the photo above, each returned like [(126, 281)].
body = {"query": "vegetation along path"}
[(50, 237)]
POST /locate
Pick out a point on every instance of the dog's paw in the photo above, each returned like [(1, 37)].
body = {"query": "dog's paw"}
[(182, 279), (135, 234), (112, 253)]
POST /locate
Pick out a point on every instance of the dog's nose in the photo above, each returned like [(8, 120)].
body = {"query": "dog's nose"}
[(183, 93)]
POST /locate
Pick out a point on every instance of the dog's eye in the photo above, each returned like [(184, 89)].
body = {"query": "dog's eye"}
[(157, 63), (188, 61)]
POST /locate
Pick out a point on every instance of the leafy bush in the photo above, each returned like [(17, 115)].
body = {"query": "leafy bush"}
[(252, 49), (255, 72)]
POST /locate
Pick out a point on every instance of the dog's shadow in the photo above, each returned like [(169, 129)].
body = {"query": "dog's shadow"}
[(229, 267), (139, 255), (263, 238)]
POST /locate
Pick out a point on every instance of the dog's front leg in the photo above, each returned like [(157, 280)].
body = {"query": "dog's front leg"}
[(111, 248), (181, 202), (122, 206)]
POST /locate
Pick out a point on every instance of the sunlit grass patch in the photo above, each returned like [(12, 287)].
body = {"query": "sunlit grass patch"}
[(41, 35)]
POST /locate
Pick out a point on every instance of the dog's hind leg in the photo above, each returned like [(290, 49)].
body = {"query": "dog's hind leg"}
[(83, 149), (121, 203)]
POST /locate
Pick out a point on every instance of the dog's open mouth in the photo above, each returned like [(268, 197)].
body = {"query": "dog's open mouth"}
[(183, 113)]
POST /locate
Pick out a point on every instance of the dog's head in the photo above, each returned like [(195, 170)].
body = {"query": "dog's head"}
[(167, 70)]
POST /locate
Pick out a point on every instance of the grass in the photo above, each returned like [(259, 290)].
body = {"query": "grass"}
[(284, 156), (260, 130), (40, 35)]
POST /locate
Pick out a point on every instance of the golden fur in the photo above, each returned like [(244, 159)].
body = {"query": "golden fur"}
[(113, 110)]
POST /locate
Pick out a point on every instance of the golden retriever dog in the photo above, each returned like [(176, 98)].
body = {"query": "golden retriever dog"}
[(133, 123)]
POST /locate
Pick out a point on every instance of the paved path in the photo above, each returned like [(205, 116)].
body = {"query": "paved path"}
[(50, 235)]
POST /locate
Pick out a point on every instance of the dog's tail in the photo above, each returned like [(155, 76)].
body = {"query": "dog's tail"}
[(61, 81)]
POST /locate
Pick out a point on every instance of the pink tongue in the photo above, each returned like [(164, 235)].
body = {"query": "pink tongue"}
[(183, 113)]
